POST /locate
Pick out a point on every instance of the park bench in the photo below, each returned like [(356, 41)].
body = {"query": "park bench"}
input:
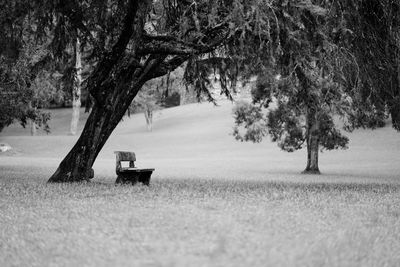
[(126, 170)]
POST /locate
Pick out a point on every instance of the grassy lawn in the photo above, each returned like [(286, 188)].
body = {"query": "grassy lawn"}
[(212, 201), (195, 222)]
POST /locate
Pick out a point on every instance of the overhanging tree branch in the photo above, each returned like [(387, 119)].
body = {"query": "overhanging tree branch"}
[(171, 45)]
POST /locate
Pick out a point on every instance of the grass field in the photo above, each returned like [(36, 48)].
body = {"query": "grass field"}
[(212, 201)]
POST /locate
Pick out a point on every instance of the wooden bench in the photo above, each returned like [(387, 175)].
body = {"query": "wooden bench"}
[(126, 170)]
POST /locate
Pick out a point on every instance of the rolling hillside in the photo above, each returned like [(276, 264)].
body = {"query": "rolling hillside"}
[(195, 141)]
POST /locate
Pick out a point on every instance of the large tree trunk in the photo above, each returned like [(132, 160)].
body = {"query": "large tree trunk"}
[(312, 143), (312, 122), (113, 85), (77, 165), (76, 91)]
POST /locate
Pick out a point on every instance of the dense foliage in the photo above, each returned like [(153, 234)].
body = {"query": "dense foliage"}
[(375, 27), (24, 88), (29, 78)]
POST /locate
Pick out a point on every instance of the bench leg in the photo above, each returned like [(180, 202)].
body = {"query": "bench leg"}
[(144, 178), (124, 178)]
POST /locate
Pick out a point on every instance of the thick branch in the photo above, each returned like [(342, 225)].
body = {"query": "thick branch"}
[(173, 48), (171, 45)]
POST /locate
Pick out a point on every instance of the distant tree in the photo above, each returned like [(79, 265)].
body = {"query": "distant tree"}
[(282, 109), (25, 85), (333, 58), (76, 88), (147, 101), (44, 87), (157, 94), (40, 23), (303, 88), (68, 52), (17, 100)]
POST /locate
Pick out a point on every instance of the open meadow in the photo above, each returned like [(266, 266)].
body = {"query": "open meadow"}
[(212, 201)]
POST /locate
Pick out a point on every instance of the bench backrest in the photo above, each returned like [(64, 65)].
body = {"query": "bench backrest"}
[(124, 156)]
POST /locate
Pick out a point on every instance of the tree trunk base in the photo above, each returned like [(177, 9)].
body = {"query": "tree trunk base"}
[(59, 177)]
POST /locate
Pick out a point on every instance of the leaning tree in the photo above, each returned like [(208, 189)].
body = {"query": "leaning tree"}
[(148, 100), (134, 42)]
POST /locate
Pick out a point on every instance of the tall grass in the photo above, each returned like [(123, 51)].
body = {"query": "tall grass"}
[(195, 222)]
